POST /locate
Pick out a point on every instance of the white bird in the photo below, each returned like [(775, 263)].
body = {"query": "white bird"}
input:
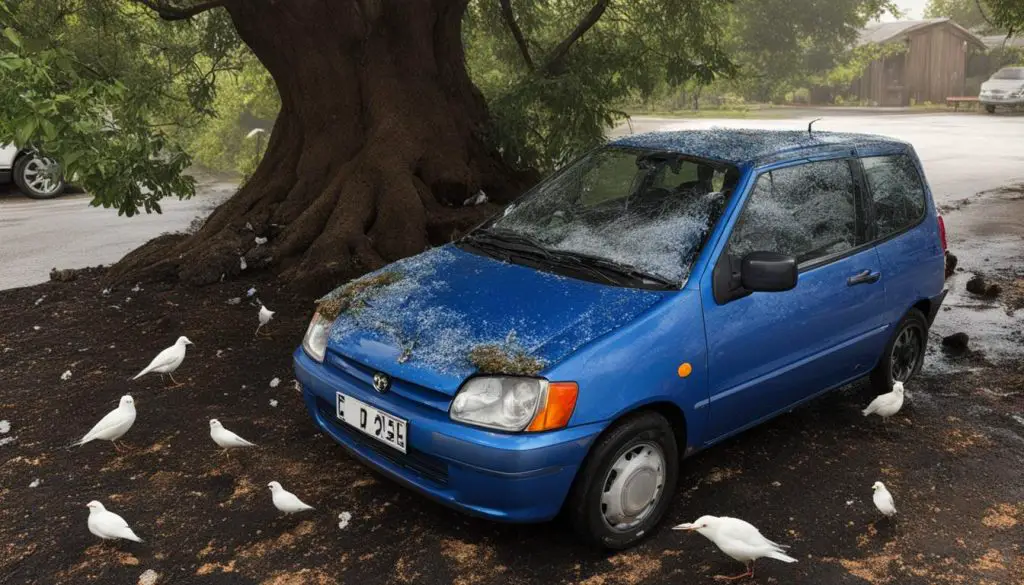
[(479, 198), (738, 539), (168, 360), (108, 525), (225, 438), (888, 404), (260, 241), (883, 499), (241, 263), (286, 501), (114, 425), (265, 316)]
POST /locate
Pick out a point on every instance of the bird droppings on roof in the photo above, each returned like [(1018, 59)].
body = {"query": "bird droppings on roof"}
[(744, 145)]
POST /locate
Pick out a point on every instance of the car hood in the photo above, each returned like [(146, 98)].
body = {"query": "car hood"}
[(1008, 85), (420, 318)]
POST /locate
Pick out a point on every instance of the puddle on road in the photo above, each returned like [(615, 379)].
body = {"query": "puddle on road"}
[(987, 237)]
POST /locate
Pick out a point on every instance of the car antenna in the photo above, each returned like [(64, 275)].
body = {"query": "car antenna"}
[(811, 123)]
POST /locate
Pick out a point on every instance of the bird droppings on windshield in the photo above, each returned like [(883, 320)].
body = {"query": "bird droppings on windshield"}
[(430, 333)]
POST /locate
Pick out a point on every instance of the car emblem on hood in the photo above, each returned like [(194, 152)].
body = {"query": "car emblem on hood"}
[(381, 382)]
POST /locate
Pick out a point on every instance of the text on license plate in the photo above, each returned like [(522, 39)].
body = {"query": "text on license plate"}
[(380, 425)]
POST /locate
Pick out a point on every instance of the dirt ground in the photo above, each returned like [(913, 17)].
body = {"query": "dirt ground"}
[(953, 459)]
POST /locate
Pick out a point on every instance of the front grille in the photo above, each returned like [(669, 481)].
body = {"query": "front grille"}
[(426, 466)]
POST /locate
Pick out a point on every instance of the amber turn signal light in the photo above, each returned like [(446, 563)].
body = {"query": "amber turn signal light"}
[(557, 408)]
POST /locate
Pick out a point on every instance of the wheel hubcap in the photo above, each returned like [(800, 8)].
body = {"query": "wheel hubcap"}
[(43, 175), (906, 353), (633, 486)]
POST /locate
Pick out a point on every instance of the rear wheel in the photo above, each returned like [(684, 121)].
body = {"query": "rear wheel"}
[(904, 354), (626, 485), (990, 109), (39, 177)]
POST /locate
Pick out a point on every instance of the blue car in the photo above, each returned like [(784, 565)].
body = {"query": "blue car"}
[(658, 295)]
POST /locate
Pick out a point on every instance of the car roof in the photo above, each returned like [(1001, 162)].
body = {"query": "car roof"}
[(740, 146)]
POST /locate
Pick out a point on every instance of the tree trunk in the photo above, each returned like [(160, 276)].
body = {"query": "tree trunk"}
[(380, 139)]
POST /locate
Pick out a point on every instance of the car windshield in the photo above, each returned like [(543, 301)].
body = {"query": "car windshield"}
[(1015, 73), (644, 212)]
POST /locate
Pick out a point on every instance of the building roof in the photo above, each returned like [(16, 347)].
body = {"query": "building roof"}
[(884, 32), (997, 41), (746, 145)]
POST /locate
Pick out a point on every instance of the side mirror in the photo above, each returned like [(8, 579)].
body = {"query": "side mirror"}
[(768, 272)]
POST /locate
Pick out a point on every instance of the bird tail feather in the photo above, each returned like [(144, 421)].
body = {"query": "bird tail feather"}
[(77, 443), (131, 536), (781, 557), (141, 374)]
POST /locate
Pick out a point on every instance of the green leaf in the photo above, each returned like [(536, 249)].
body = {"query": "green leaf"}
[(10, 62), (25, 130), (49, 130), (13, 36), (71, 158)]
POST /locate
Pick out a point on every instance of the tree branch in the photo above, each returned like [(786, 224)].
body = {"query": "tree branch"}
[(517, 33), (170, 13), (554, 61), (983, 14)]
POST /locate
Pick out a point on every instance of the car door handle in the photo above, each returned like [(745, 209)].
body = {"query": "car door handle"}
[(865, 277)]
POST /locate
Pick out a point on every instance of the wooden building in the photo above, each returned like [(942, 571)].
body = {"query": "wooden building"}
[(932, 68)]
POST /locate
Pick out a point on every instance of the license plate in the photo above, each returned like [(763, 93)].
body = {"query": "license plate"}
[(380, 425)]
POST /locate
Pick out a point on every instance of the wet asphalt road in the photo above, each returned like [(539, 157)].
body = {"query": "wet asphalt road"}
[(962, 153), (36, 236)]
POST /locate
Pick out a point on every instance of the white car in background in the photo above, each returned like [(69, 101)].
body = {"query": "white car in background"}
[(37, 176), (1005, 88)]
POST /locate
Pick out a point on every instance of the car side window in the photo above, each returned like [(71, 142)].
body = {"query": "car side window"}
[(896, 191), (807, 211)]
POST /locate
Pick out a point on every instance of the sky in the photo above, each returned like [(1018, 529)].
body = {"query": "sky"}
[(912, 9)]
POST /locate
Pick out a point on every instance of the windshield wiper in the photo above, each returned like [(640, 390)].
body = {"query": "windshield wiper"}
[(604, 269), (620, 268), (506, 241), (509, 241)]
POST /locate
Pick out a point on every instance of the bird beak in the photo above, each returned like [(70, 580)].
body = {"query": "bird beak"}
[(685, 526)]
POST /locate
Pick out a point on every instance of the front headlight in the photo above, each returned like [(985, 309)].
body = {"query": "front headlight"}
[(514, 404), (315, 341)]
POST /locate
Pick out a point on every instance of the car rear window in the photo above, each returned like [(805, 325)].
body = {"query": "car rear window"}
[(896, 191), (807, 211)]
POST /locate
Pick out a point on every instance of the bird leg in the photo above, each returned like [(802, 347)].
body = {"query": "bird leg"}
[(176, 383), (749, 573), (117, 447)]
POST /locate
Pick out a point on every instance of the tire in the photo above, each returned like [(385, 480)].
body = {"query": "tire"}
[(30, 174), (885, 373), (634, 442), (990, 109)]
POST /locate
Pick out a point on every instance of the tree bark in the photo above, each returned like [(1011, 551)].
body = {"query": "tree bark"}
[(380, 139)]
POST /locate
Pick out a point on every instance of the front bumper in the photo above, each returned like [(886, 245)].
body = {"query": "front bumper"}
[(1005, 101), (507, 477)]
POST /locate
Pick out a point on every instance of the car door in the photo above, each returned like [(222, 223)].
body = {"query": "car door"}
[(770, 350)]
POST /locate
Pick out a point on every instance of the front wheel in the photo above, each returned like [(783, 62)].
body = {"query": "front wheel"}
[(39, 177), (904, 354), (990, 109), (626, 485)]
